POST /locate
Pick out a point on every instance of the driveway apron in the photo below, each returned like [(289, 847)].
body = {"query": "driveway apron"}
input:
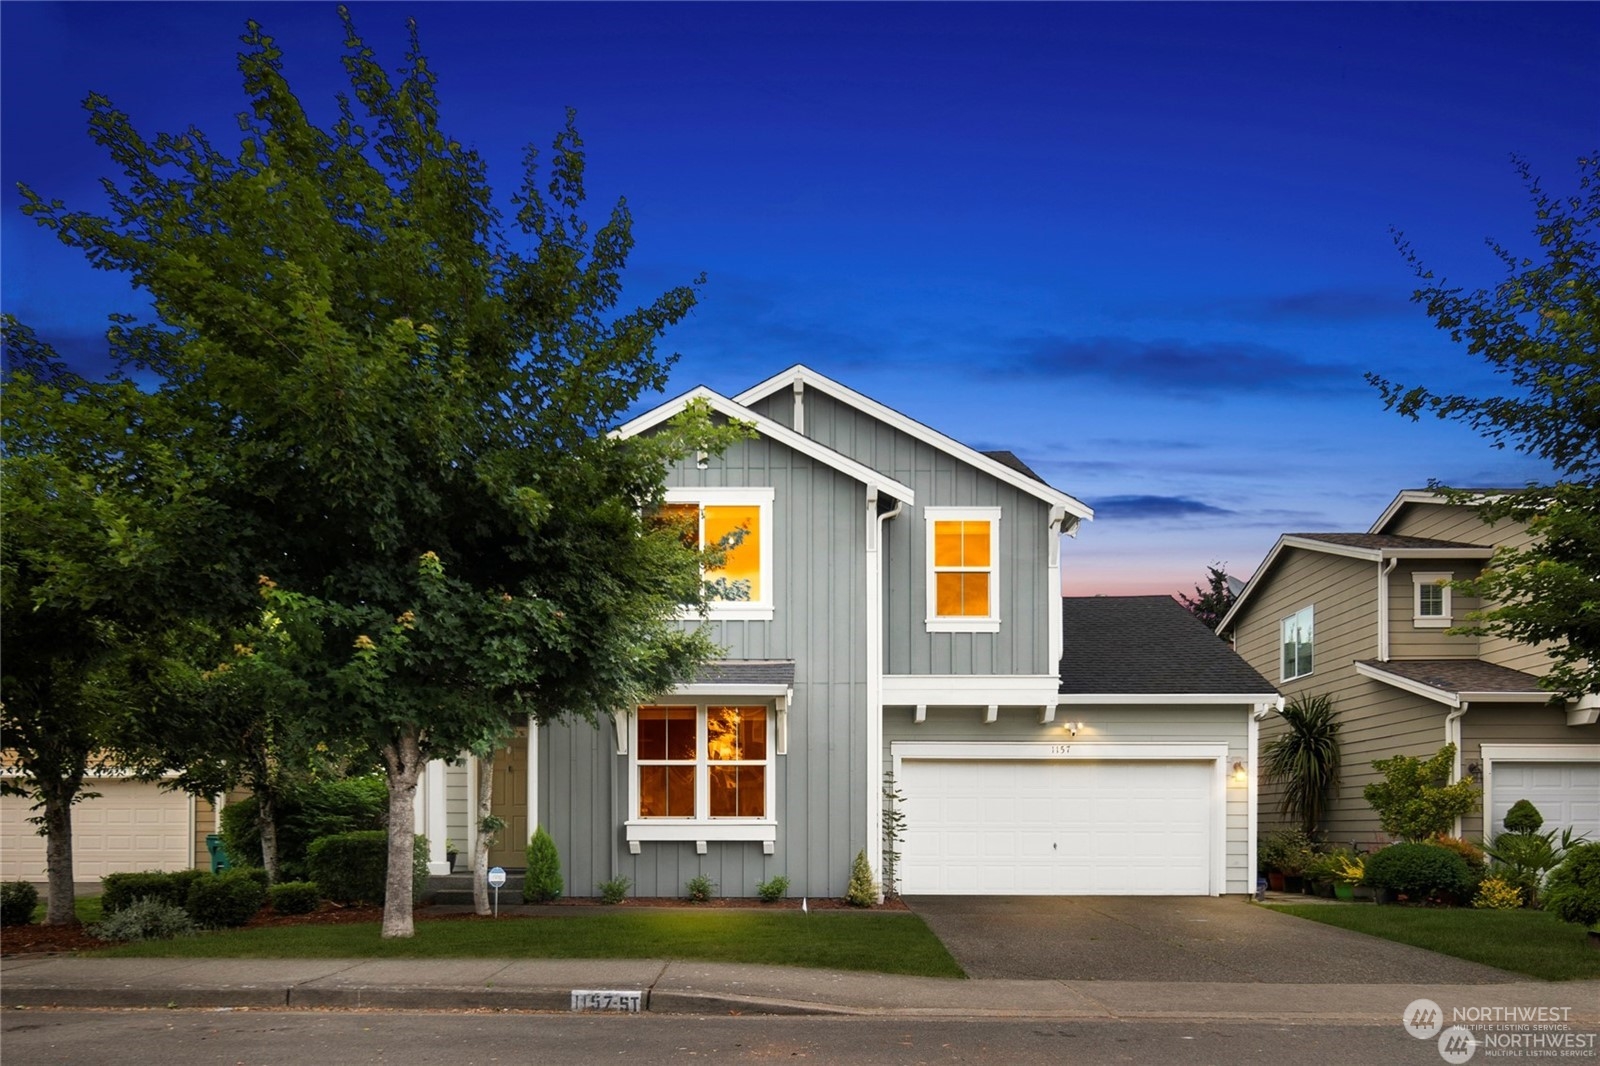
[(1172, 938)]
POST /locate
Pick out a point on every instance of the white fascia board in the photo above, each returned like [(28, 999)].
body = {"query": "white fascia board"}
[(1164, 699), (772, 431), (1540, 752), (1250, 586), (731, 689), (1423, 496), (785, 379), (970, 690), (900, 750)]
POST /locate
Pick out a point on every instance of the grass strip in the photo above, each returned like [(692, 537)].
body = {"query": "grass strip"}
[(1535, 943), (882, 943)]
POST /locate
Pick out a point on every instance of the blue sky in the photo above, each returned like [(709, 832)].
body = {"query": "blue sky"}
[(1147, 247)]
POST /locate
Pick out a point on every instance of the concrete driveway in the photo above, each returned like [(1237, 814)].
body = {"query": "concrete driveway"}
[(1172, 938)]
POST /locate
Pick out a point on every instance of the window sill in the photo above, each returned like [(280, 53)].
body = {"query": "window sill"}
[(687, 830), (750, 612), (1432, 623), (963, 625)]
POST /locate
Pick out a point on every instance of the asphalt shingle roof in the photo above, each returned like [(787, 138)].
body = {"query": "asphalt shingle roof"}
[(1380, 541), (1138, 645), (1005, 458), (747, 672), (1456, 676)]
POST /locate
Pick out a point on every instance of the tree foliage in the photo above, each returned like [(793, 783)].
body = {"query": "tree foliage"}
[(1416, 799), (1305, 759), (1212, 603), (1541, 329)]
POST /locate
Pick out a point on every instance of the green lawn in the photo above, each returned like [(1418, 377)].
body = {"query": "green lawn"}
[(885, 943), (1535, 943)]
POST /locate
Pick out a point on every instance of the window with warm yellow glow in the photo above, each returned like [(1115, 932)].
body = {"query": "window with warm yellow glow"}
[(722, 746), (732, 526), (962, 547)]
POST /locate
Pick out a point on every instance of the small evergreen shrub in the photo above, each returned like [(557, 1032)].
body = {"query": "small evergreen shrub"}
[(1523, 817), (773, 890), (543, 882), (615, 890), (1497, 894), (1420, 871), (863, 888), (353, 867), (145, 919), (17, 902), (1574, 889), (228, 899), (700, 889), (294, 897), (120, 890)]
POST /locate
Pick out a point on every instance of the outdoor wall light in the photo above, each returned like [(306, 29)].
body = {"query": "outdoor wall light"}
[(1072, 727), (1239, 772)]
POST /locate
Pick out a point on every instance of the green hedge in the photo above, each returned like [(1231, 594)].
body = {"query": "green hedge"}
[(353, 867), (295, 897), (17, 902), (1421, 871), (170, 887), (228, 899), (305, 813)]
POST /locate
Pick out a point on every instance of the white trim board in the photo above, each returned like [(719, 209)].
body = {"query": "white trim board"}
[(969, 690)]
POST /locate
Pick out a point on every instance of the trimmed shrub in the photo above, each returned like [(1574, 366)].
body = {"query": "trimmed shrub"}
[(615, 890), (294, 897), (305, 813), (228, 899), (1470, 853), (1420, 871), (700, 889), (863, 888), (145, 919), (1497, 894), (353, 867), (1574, 889), (122, 889), (17, 902), (1523, 817), (774, 890), (542, 883)]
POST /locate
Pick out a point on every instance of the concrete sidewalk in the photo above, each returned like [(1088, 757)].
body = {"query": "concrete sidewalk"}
[(714, 988)]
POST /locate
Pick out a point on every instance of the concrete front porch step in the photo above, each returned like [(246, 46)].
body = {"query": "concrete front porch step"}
[(456, 888)]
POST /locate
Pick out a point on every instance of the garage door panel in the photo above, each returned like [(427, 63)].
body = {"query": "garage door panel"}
[(130, 825), (1566, 793), (1048, 827)]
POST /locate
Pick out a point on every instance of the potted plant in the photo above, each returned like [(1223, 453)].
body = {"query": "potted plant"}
[(1352, 868), (1284, 855), (450, 853)]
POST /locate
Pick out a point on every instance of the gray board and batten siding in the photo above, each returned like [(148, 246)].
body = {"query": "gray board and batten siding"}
[(939, 479), (819, 595)]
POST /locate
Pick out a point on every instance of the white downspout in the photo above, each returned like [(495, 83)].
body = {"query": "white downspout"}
[(1452, 735), (1053, 652), (874, 628), (1383, 608)]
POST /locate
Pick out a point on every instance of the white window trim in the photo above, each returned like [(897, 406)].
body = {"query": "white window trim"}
[(702, 829), (990, 623), (760, 610), (1309, 610), (1420, 581)]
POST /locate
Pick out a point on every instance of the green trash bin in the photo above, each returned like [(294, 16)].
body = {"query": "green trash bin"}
[(219, 854)]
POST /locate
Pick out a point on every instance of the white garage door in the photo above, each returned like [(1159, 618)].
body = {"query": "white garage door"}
[(1566, 793), (1041, 827), (132, 825)]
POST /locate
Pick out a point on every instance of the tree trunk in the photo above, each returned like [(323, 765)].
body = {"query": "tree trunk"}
[(267, 822), (402, 760), (60, 897), (480, 854)]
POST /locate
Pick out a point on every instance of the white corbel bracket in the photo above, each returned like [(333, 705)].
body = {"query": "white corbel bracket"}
[(782, 703), (992, 714), (921, 714), (619, 720), (1047, 714)]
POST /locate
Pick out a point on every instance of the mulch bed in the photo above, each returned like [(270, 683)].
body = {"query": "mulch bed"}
[(68, 939)]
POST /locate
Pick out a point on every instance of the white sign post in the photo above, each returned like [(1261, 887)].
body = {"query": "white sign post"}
[(497, 877)]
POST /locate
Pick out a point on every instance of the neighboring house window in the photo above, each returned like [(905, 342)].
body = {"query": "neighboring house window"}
[(1297, 641), (1431, 600), (739, 523), (963, 569), (702, 771)]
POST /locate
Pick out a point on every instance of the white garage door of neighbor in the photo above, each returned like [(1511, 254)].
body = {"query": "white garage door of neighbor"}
[(1566, 793), (131, 825), (1043, 827)]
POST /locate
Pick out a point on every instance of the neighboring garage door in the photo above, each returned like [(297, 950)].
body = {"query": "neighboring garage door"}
[(1049, 827), (1566, 793), (132, 825)]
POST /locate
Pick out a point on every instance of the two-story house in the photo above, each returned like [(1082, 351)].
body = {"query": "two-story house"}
[(892, 620), (1371, 620)]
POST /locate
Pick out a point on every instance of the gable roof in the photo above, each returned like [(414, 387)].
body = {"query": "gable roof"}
[(1014, 461), (1028, 481), (1374, 547), (1456, 681), (1406, 497), (771, 430), (1148, 645)]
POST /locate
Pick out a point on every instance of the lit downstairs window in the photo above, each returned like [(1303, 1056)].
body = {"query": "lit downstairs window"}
[(702, 771)]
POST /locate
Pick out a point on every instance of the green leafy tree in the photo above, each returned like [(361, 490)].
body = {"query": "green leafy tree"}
[(1416, 799), (1305, 758), (1540, 328), (413, 408), (1211, 604)]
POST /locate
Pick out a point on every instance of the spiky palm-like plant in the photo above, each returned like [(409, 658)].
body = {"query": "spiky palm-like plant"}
[(1305, 760)]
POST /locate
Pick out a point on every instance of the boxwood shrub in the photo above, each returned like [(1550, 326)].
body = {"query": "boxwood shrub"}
[(352, 867), (1420, 871), (1574, 889), (170, 887), (295, 897), (228, 899), (17, 901)]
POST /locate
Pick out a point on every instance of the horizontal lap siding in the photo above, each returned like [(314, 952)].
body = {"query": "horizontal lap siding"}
[(1407, 640)]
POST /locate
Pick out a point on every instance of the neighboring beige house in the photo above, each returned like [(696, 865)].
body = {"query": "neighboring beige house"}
[(1367, 618)]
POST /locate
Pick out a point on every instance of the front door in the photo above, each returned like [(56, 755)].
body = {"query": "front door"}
[(510, 802)]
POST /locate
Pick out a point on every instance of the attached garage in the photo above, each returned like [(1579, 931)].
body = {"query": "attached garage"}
[(1562, 780), (131, 825), (1062, 819)]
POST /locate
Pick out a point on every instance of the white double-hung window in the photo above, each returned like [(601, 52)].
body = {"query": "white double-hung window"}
[(1430, 601), (963, 569), (1297, 643), (702, 769), (735, 525)]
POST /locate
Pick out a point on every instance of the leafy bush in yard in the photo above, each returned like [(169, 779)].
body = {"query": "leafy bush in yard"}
[(863, 888), (227, 899), (17, 901), (1523, 817), (1416, 799), (615, 890), (1574, 889), (120, 890), (145, 919), (700, 889), (1498, 894), (1287, 851), (1420, 871), (542, 883), (294, 897), (353, 867), (771, 891), (305, 813), (1525, 859)]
